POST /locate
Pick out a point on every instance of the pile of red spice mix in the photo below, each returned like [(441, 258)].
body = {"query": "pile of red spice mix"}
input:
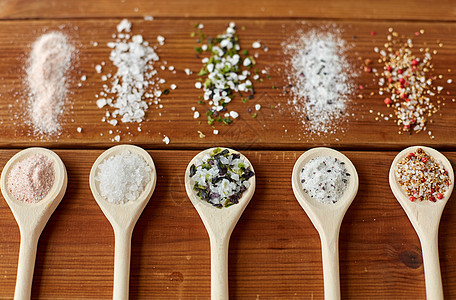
[(407, 82)]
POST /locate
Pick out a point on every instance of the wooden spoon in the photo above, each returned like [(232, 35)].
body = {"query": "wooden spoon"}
[(326, 218), (32, 217), (219, 224), (425, 218), (122, 217)]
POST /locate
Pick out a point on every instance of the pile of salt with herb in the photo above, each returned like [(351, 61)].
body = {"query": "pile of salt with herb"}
[(325, 179), (320, 79), (123, 177)]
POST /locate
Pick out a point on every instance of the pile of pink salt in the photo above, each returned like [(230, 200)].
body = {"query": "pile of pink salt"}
[(49, 61), (31, 179)]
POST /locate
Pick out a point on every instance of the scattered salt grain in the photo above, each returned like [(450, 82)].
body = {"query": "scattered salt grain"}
[(257, 106), (196, 115), (148, 18), (198, 85), (161, 40), (173, 86), (49, 62), (215, 131), (98, 68), (256, 45), (166, 140), (123, 177), (83, 78), (79, 129), (31, 179), (234, 114), (188, 71), (325, 179)]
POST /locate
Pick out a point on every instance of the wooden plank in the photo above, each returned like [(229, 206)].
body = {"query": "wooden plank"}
[(274, 250), (353, 9), (273, 128)]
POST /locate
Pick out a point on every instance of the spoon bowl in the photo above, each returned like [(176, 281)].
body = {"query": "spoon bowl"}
[(219, 224), (32, 217), (425, 218), (327, 218), (123, 216)]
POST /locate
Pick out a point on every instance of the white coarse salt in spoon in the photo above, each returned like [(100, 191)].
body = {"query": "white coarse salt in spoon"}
[(122, 216), (327, 218), (219, 224), (425, 217), (32, 217)]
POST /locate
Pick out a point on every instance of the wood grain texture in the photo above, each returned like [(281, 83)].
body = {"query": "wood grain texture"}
[(352, 9), (274, 250), (274, 128)]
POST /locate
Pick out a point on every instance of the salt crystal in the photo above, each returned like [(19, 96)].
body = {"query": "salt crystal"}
[(124, 25), (161, 39), (166, 140), (234, 114), (79, 129), (256, 45), (215, 131), (83, 78), (98, 68), (257, 107), (173, 86), (123, 177), (196, 115)]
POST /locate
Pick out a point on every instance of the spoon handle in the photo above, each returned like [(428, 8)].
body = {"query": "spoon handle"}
[(122, 254), (219, 267), (330, 257), (432, 276), (26, 266)]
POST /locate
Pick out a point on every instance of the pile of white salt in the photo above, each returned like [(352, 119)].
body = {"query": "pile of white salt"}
[(49, 61)]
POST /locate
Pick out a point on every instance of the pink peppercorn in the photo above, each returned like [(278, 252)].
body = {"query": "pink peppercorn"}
[(414, 62), (372, 32), (400, 71), (389, 68), (432, 198), (413, 199), (402, 80), (387, 101), (439, 196), (424, 160)]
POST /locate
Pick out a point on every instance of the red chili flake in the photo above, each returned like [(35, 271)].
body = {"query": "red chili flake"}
[(423, 180), (412, 122), (411, 154), (367, 69), (372, 32), (432, 198), (400, 71), (417, 33), (414, 62), (413, 199), (424, 159), (387, 101), (439, 196), (390, 79), (404, 96), (406, 127), (361, 87), (402, 80), (389, 68)]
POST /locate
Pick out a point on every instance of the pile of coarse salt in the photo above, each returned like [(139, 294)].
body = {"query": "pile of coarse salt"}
[(31, 179), (123, 177), (135, 85), (325, 179), (320, 79), (49, 61)]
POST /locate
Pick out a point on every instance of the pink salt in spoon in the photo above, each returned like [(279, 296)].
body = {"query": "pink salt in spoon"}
[(425, 218), (32, 217)]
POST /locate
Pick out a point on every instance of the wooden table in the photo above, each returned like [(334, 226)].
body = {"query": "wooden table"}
[(274, 250)]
